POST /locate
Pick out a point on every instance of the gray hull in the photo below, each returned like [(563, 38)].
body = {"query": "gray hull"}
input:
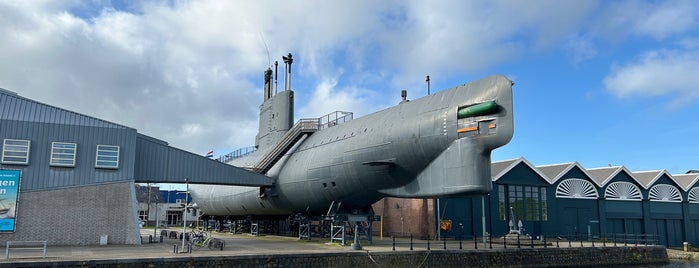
[(416, 149)]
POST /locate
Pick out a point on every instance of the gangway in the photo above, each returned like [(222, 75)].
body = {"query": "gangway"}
[(301, 128)]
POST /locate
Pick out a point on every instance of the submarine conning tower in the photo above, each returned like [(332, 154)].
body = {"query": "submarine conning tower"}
[(277, 109)]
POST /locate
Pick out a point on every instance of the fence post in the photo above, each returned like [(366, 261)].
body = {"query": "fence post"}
[(518, 245), (394, 242), (545, 246), (557, 239), (490, 241), (411, 241), (460, 243), (531, 244), (475, 242), (504, 240), (428, 243), (444, 240), (625, 237), (604, 240)]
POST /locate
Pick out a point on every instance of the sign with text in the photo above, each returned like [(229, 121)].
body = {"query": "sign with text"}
[(9, 195)]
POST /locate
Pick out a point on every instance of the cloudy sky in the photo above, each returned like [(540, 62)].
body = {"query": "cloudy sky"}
[(598, 82)]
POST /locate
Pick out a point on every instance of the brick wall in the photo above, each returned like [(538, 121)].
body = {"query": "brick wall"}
[(403, 217), (77, 215)]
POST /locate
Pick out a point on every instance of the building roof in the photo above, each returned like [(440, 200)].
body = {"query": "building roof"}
[(18, 108), (554, 172), (647, 178), (601, 175), (500, 168), (686, 181)]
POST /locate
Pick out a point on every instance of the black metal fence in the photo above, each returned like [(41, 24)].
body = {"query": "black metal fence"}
[(522, 241)]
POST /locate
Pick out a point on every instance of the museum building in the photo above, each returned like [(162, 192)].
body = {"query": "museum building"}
[(69, 179)]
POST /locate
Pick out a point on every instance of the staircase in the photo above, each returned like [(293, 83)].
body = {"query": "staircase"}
[(301, 128)]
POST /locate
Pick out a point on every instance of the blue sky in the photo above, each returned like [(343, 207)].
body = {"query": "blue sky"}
[(598, 82)]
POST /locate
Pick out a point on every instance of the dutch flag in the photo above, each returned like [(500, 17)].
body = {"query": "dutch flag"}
[(210, 154)]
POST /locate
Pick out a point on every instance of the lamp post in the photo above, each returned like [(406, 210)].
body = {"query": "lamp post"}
[(184, 212)]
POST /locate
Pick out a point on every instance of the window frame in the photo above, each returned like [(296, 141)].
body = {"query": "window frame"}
[(101, 148), (5, 151), (55, 161)]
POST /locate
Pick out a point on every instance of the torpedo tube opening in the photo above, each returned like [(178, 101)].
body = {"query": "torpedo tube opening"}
[(480, 109)]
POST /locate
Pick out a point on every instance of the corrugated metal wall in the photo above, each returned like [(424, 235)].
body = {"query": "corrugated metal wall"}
[(24, 119), (158, 162)]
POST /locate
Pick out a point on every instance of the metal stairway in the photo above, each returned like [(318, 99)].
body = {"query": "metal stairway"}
[(302, 127)]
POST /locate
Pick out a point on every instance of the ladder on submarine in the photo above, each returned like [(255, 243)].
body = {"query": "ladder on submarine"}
[(301, 128)]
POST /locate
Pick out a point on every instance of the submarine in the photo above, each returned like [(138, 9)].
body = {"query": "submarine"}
[(438, 145)]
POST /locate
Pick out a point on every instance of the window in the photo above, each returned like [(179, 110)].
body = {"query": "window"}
[(107, 156), (15, 152), (525, 203), (143, 215), (501, 202), (694, 195), (63, 154), (576, 188), (622, 190), (664, 193)]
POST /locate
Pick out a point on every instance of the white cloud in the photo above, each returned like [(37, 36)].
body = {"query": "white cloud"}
[(190, 73), (663, 72), (642, 18)]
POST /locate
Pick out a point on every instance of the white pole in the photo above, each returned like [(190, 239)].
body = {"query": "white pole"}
[(184, 213)]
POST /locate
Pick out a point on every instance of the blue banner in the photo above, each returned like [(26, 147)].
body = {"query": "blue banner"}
[(9, 194)]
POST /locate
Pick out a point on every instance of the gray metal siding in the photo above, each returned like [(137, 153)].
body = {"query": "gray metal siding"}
[(151, 158), (39, 175), (13, 107), (158, 162)]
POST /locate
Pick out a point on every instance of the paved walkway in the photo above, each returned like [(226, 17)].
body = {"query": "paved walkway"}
[(245, 244)]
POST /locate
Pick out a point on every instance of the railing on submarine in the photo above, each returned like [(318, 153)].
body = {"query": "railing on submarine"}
[(301, 128), (237, 154)]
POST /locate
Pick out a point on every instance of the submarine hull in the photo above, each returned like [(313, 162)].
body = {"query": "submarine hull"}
[(435, 146)]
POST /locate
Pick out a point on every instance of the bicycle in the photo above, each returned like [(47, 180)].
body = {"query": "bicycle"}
[(199, 239)]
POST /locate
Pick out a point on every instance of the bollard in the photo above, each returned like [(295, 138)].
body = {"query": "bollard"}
[(161, 238), (685, 246), (593, 243), (428, 244), (475, 242), (150, 239), (581, 245), (222, 244), (445, 243), (460, 247), (569, 245), (545, 246), (504, 240), (411, 241), (174, 250), (518, 246), (558, 239), (394, 243), (531, 244)]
